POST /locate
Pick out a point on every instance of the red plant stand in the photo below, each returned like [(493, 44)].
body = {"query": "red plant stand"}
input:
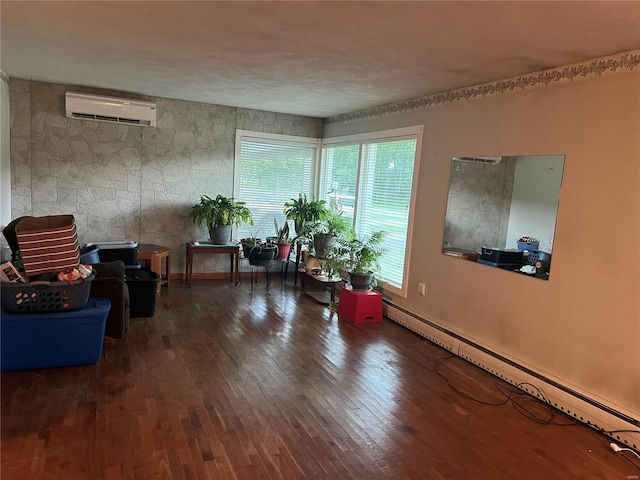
[(360, 307)]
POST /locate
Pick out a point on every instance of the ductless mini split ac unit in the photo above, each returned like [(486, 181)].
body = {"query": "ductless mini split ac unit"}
[(485, 160), (110, 109)]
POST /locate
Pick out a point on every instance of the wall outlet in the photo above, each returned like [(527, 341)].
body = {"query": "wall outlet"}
[(422, 288)]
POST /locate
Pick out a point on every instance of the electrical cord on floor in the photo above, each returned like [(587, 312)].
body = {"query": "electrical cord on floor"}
[(514, 393), (619, 431), (616, 448)]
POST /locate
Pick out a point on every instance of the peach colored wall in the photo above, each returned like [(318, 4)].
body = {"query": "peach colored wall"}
[(581, 327)]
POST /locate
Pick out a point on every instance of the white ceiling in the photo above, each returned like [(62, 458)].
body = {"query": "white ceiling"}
[(309, 58)]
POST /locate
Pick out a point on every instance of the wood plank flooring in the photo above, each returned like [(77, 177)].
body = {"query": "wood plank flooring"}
[(221, 384)]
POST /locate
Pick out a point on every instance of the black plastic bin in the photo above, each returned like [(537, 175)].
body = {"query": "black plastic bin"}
[(89, 255), (111, 251), (142, 283)]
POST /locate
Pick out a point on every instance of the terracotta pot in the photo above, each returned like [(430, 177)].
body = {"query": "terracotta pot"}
[(283, 251)]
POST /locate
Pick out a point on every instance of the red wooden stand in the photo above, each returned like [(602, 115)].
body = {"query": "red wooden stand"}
[(360, 307)]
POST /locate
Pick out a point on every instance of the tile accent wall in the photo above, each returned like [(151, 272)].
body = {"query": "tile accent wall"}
[(128, 182)]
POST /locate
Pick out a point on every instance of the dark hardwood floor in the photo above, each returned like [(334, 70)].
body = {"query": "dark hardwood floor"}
[(221, 384)]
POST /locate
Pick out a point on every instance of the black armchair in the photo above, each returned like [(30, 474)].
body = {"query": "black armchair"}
[(110, 283)]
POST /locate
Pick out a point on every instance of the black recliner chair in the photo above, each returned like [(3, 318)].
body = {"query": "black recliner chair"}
[(9, 232), (110, 283)]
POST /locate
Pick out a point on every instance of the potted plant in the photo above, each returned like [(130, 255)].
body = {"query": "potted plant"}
[(282, 240), (304, 211), (219, 215), (327, 231), (259, 253), (359, 256)]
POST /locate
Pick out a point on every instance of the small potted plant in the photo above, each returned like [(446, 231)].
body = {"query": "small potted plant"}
[(282, 240), (359, 256), (259, 253), (327, 231), (219, 215), (304, 212)]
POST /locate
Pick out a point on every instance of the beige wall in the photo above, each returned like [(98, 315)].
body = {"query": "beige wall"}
[(581, 327), (5, 165), (128, 182)]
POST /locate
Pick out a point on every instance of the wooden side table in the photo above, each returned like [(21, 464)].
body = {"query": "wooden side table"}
[(315, 287), (203, 248), (155, 254)]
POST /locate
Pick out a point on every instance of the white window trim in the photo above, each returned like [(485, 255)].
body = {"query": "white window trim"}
[(395, 134), (276, 138), (249, 134)]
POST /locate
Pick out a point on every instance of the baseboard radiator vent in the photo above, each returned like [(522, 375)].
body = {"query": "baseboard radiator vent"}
[(580, 406)]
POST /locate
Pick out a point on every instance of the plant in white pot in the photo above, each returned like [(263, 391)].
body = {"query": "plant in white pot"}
[(219, 215), (359, 256)]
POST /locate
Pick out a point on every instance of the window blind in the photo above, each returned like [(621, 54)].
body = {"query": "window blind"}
[(270, 170), (338, 178), (384, 200), (378, 170)]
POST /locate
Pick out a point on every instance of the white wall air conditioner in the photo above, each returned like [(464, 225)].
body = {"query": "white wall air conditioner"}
[(110, 109), (485, 160)]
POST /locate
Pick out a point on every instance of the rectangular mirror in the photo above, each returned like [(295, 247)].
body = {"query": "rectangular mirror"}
[(501, 211)]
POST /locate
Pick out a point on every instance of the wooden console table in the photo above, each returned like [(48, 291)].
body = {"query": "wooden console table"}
[(154, 254), (200, 248)]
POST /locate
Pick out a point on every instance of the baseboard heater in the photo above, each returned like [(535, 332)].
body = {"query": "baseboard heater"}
[(582, 407)]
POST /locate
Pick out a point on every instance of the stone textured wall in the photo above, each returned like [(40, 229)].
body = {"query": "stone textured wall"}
[(128, 182), (479, 204)]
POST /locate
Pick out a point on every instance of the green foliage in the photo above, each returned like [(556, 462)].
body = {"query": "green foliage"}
[(358, 255), (335, 224), (303, 211), (215, 212), (282, 234)]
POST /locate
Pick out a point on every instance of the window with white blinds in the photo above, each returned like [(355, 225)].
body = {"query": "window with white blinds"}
[(339, 177), (269, 170), (381, 181)]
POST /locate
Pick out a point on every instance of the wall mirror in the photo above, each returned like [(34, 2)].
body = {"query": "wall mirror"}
[(501, 211)]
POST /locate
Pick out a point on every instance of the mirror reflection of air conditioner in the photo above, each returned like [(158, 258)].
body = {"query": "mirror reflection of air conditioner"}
[(86, 106), (485, 160)]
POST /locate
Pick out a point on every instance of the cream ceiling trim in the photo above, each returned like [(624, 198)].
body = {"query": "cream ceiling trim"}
[(599, 67)]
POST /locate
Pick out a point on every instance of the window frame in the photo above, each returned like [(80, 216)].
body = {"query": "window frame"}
[(361, 139), (280, 139)]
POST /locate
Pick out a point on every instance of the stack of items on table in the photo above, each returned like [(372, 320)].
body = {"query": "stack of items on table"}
[(48, 319), (526, 259)]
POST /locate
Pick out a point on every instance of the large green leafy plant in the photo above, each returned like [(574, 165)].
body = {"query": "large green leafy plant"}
[(219, 211), (304, 211), (359, 255)]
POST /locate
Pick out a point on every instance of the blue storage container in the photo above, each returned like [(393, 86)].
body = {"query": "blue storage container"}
[(528, 246), (59, 339)]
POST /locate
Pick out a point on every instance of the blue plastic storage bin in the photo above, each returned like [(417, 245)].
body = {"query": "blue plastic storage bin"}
[(528, 246), (58, 339)]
